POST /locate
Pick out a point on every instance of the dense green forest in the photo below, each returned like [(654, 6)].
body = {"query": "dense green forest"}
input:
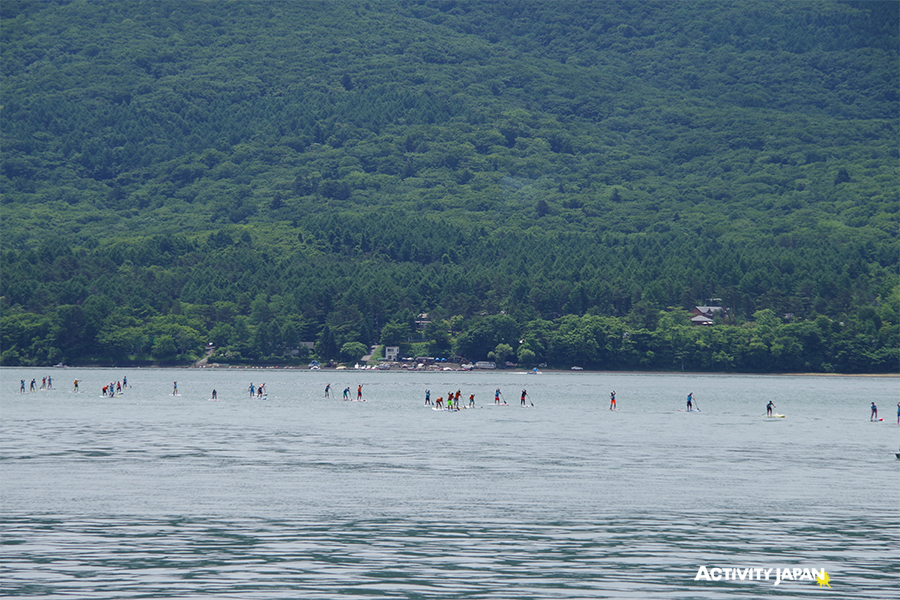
[(551, 182)]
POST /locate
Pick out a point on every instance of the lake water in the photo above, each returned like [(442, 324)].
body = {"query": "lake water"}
[(150, 495)]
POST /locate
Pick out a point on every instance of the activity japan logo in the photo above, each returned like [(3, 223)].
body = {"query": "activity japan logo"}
[(776, 574)]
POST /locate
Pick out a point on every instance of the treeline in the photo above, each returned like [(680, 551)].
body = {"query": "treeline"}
[(98, 333), (164, 298)]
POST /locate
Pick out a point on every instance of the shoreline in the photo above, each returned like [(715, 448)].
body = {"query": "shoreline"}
[(303, 369)]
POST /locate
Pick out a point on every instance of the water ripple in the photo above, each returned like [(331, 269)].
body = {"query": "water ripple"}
[(641, 556)]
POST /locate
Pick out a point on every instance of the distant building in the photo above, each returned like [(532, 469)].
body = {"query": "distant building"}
[(310, 346), (391, 352), (703, 315), (422, 322)]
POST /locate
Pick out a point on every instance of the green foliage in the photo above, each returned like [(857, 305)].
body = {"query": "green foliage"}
[(394, 334), (164, 348), (570, 174), (526, 356), (501, 353), (353, 351), (327, 347), (488, 335)]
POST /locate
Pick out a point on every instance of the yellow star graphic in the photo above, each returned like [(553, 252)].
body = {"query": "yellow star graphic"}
[(823, 580)]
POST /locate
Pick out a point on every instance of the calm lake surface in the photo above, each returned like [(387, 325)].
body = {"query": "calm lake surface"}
[(149, 495)]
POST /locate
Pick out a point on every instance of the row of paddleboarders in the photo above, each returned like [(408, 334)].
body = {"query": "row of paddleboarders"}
[(257, 392), (109, 390), (345, 395), (769, 407), (872, 417), (454, 401), (46, 384)]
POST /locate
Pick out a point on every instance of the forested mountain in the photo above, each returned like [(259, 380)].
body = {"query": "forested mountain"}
[(550, 181)]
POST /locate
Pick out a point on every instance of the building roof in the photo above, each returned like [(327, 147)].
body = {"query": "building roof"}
[(710, 309)]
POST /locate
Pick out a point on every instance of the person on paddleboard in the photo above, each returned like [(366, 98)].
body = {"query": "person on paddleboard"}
[(690, 401), (898, 413), (328, 391), (497, 396), (215, 395), (174, 388), (612, 400), (524, 393), (874, 415), (359, 392), (472, 400), (769, 408), (346, 393), (427, 397)]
